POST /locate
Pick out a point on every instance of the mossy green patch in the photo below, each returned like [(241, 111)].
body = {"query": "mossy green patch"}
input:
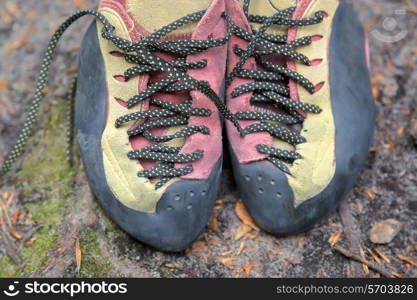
[(46, 179), (92, 264), (8, 268)]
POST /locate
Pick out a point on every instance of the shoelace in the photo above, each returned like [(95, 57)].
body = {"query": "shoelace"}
[(268, 88), (141, 53)]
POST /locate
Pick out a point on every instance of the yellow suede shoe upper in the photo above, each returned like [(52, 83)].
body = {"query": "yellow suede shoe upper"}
[(121, 172), (311, 174)]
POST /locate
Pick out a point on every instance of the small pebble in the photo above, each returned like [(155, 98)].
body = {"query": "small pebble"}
[(385, 231)]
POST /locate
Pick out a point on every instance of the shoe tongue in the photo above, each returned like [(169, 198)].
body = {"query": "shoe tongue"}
[(269, 8), (152, 15)]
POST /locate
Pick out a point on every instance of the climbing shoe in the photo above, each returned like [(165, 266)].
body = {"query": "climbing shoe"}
[(298, 83), (147, 115), (148, 109)]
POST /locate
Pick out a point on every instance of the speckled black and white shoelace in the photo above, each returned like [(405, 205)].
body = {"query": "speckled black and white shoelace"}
[(269, 87), (165, 113)]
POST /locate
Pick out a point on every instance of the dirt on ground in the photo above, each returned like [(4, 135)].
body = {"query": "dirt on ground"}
[(50, 224)]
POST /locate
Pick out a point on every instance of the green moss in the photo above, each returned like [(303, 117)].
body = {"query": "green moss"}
[(8, 268), (164, 272), (46, 179), (92, 264)]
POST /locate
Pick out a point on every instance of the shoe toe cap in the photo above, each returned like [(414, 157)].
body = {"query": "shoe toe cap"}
[(267, 196), (181, 215), (270, 201)]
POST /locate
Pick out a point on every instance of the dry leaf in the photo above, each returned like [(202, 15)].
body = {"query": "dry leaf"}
[(374, 257), (248, 268), (251, 236), (214, 224), (4, 195), (378, 77), (385, 231), (71, 69), (15, 234), (60, 248), (369, 193), (241, 231), (197, 247), (10, 198), (334, 238), (406, 259), (299, 241), (375, 91), (276, 252), (226, 253), (214, 243), (382, 255), (227, 261), (374, 83), (400, 131), (217, 207), (16, 216), (241, 247), (31, 242), (80, 4), (78, 254), (3, 211), (364, 266), (244, 216), (332, 224), (4, 84)]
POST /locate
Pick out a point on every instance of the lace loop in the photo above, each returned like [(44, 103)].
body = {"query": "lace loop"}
[(269, 86)]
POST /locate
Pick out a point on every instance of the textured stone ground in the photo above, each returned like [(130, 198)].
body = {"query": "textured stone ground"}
[(47, 206)]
